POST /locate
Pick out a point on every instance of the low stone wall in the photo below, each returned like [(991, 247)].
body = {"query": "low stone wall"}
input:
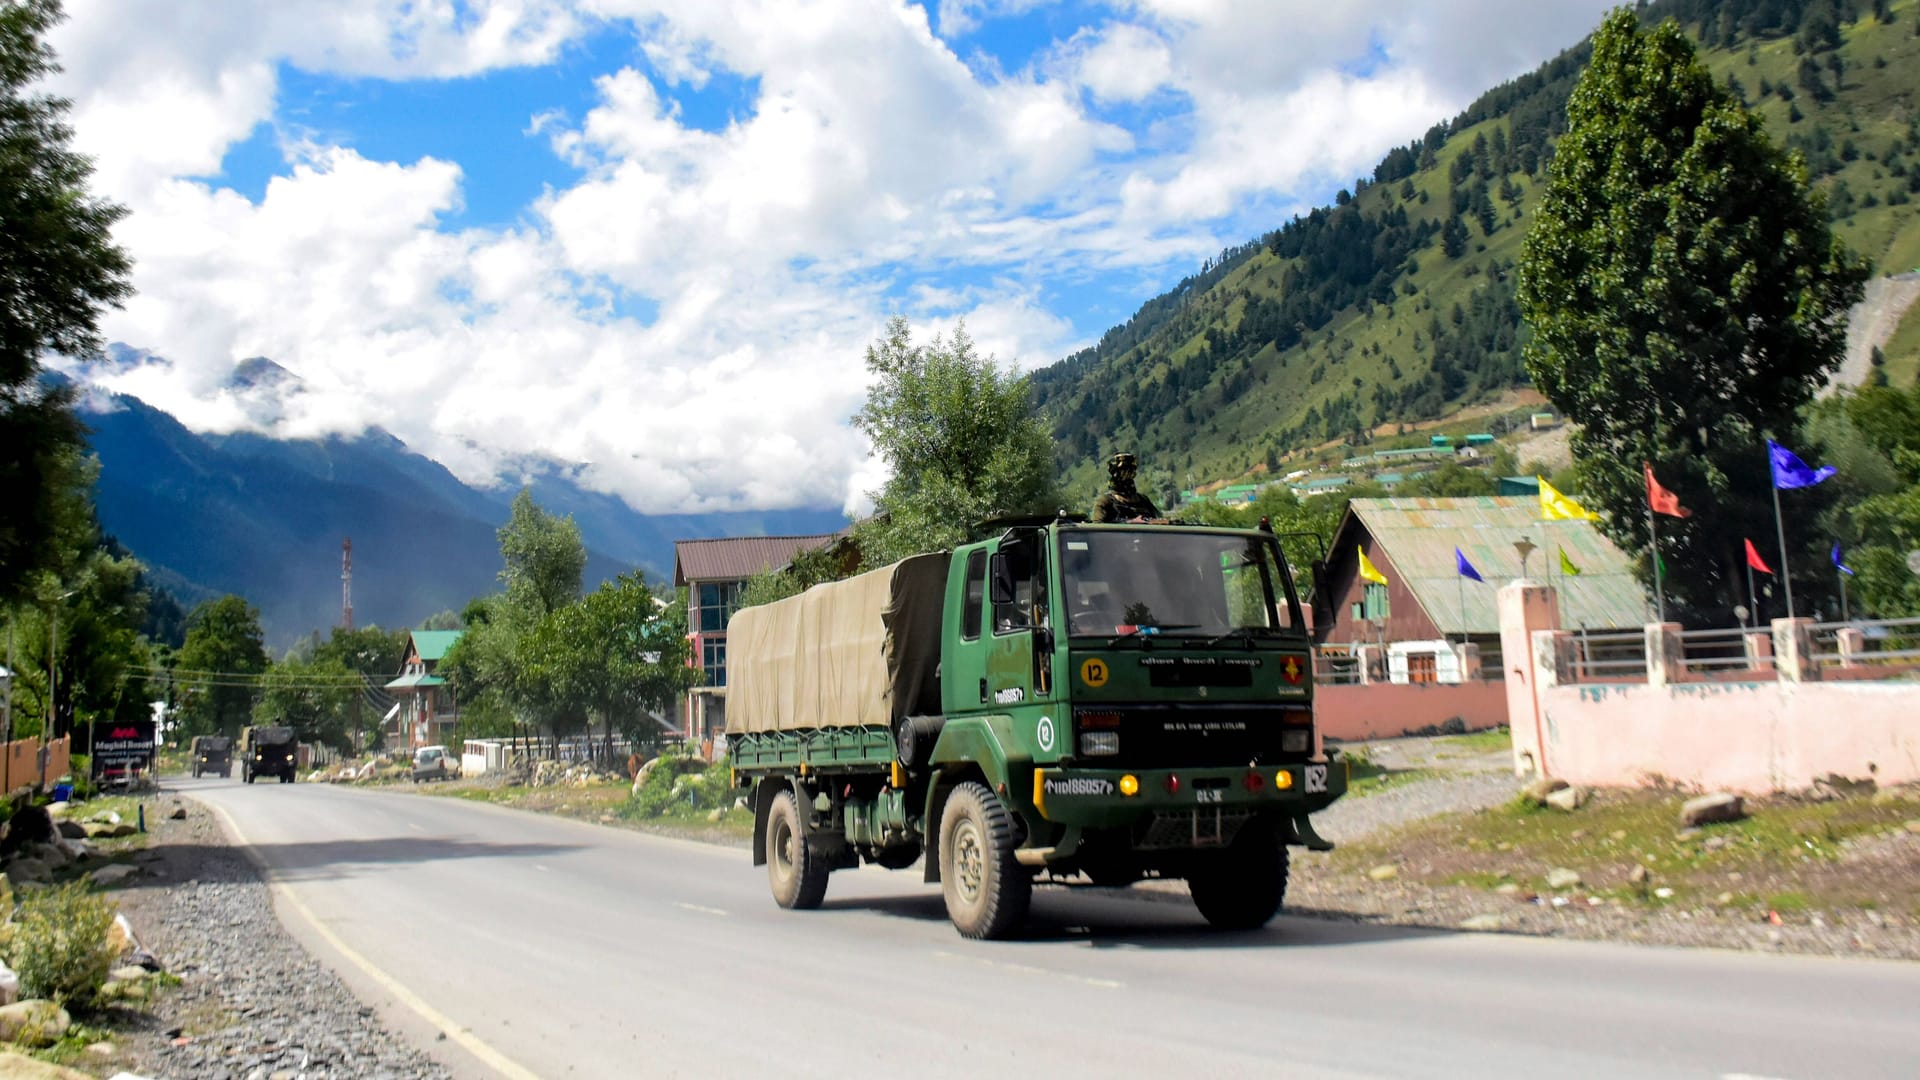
[(1389, 710)]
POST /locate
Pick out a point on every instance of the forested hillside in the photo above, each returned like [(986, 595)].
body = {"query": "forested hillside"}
[(1396, 304)]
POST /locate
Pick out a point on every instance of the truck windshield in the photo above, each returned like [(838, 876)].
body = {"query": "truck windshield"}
[(1173, 581)]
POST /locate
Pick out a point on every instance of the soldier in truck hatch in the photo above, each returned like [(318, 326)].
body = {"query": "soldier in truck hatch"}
[(1124, 502)]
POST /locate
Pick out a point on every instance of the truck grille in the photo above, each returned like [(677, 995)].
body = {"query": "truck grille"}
[(1189, 736)]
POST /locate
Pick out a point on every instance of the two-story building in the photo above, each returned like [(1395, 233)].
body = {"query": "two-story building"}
[(714, 573), (426, 709)]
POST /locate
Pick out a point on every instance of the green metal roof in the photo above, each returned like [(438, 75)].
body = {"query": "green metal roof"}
[(433, 644), (1419, 536), (405, 682)]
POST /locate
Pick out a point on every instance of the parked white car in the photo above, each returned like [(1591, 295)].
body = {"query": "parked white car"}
[(434, 763)]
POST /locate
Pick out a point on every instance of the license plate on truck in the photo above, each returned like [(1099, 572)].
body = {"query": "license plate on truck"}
[(1316, 780)]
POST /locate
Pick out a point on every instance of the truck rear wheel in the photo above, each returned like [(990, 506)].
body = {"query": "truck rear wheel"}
[(1242, 887), (796, 872), (987, 891)]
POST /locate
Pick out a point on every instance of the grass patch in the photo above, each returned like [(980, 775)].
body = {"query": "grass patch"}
[(1479, 742), (1366, 776), (1788, 854)]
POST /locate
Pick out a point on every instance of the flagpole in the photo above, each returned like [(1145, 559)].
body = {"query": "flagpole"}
[(1461, 580), (1780, 526), (1845, 615), (1653, 540), (1753, 601)]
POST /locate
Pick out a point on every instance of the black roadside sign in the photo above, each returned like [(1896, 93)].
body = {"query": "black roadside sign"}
[(118, 745)]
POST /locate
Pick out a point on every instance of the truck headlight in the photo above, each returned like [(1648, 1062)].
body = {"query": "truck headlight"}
[(1099, 743), (1295, 742)]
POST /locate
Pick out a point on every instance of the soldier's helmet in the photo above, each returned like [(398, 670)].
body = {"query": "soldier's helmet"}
[(1121, 465)]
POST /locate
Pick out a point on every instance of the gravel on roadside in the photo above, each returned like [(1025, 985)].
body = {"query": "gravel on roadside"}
[(252, 1003)]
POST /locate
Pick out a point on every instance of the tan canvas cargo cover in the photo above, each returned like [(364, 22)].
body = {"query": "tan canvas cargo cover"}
[(864, 651)]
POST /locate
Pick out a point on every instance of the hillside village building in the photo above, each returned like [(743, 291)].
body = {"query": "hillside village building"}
[(426, 710), (1411, 541)]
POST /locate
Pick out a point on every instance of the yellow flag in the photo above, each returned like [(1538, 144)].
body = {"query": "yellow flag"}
[(1368, 571), (1557, 507), (1566, 565)]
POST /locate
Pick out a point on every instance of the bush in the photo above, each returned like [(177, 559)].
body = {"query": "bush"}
[(681, 782), (59, 947)]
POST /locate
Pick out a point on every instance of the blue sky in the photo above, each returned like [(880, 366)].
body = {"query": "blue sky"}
[(653, 237)]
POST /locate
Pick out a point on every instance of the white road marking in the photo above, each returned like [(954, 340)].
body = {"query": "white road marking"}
[(702, 909), (543, 869), (1025, 969), (501, 1063)]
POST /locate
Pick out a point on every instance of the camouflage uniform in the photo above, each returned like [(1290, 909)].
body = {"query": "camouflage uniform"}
[(1124, 502)]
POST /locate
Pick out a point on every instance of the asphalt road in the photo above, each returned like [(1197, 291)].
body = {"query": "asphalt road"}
[(546, 947)]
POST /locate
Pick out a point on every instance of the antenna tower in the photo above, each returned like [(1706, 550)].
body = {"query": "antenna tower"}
[(346, 582)]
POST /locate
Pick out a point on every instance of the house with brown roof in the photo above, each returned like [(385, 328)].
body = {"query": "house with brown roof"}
[(715, 571), (1412, 543)]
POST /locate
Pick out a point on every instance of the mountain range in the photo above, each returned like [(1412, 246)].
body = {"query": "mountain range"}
[(266, 518)]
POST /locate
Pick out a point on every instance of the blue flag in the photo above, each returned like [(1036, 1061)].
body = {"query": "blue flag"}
[(1466, 569), (1790, 472), (1837, 563)]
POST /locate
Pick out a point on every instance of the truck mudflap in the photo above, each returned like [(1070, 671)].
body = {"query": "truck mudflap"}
[(1105, 798)]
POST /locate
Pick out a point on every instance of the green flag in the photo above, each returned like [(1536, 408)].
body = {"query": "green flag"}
[(1566, 565)]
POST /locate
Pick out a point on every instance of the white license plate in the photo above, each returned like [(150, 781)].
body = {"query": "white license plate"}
[(1208, 795), (1316, 782)]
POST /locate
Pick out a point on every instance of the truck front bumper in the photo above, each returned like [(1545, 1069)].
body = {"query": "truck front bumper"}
[(1107, 798)]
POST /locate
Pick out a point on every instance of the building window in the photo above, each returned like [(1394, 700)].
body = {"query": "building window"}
[(1374, 600), (713, 660), (1423, 668), (718, 601)]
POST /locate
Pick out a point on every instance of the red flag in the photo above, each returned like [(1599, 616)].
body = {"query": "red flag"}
[(1662, 500), (1754, 560)]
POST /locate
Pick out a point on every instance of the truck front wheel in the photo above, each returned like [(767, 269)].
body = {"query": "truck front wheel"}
[(987, 891), (797, 873), (1242, 887)]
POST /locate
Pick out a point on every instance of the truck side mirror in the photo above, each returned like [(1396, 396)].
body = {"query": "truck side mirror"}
[(1322, 598), (1000, 579)]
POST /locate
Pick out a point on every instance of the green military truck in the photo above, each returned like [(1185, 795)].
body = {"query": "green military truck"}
[(268, 751), (1065, 704)]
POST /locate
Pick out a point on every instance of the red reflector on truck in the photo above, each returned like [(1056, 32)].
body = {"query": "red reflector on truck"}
[(1173, 784)]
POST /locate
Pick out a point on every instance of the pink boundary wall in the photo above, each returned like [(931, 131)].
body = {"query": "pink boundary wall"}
[(1389, 710), (1753, 737), (1750, 737)]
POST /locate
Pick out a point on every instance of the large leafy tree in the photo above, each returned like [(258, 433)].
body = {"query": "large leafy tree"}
[(617, 653), (58, 269), (1686, 299), (544, 558), (960, 437), (494, 667), (219, 666)]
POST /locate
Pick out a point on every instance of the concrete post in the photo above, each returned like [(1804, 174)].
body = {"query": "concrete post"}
[(1373, 664), (1853, 643), (1759, 650), (1469, 659), (1666, 656), (1793, 650), (1525, 607)]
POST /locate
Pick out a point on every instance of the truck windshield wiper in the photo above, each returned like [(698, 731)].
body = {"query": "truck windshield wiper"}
[(1244, 633)]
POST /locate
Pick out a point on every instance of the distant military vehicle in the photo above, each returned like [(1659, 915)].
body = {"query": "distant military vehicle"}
[(268, 751), (212, 755)]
